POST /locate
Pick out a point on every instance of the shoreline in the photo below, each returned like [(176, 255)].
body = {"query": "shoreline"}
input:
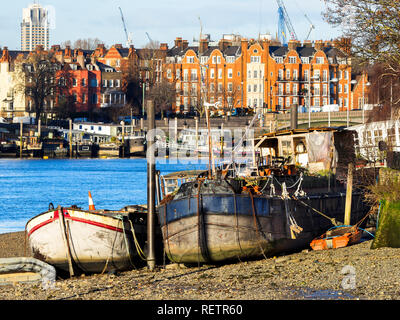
[(306, 275)]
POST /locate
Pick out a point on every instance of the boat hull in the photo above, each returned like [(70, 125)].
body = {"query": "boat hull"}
[(220, 228), (97, 242)]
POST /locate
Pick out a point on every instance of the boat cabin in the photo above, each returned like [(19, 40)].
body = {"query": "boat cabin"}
[(316, 149)]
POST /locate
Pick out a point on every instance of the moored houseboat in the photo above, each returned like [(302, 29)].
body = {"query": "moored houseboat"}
[(282, 207)]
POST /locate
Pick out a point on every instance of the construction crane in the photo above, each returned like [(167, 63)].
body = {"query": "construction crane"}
[(284, 22), (311, 27), (128, 36), (148, 36)]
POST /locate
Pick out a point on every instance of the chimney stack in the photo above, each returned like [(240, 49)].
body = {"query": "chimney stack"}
[(203, 45), (179, 43)]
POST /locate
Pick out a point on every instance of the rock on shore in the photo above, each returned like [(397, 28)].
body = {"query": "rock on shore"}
[(351, 273)]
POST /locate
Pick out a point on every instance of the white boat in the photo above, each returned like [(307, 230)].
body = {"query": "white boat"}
[(95, 241)]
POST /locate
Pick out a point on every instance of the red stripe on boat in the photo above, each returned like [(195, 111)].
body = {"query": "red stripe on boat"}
[(68, 216)]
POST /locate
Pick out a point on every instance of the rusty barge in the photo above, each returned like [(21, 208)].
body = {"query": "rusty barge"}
[(279, 207)]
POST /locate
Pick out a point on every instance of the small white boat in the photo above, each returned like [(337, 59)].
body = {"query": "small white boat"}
[(94, 241)]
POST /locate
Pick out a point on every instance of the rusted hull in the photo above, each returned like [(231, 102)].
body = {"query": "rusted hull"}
[(96, 242), (220, 228)]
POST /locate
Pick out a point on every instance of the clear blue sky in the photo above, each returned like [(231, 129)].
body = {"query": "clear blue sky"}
[(165, 20)]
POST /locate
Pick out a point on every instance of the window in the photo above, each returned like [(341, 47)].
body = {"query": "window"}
[(203, 59), (292, 60), (212, 73), (169, 73), (280, 74), (305, 60), (83, 82), (117, 83), (255, 88), (256, 59), (190, 59), (249, 88), (230, 59), (288, 74), (230, 87), (319, 60), (279, 59), (74, 82), (230, 73), (93, 83), (219, 73), (255, 74), (295, 74), (105, 83)]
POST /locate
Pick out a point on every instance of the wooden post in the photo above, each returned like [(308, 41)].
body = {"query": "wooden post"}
[(349, 193), (20, 138), (151, 188), (123, 139), (39, 128), (197, 134), (71, 151)]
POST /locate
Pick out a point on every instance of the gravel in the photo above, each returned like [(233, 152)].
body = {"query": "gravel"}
[(352, 273)]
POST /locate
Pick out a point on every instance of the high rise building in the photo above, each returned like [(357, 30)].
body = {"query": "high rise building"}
[(35, 28)]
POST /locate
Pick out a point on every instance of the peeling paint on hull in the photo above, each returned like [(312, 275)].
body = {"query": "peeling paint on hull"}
[(98, 242)]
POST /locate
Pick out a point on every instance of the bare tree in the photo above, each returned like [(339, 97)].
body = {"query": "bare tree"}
[(163, 95), (35, 77), (373, 27), (84, 44)]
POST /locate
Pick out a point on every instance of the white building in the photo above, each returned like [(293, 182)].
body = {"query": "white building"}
[(35, 28)]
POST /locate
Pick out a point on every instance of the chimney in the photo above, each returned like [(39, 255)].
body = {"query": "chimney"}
[(292, 45), (307, 43), (6, 56), (203, 45), (164, 46), (131, 51), (223, 44), (80, 58), (67, 51), (178, 43), (319, 45), (100, 50), (118, 46), (185, 44)]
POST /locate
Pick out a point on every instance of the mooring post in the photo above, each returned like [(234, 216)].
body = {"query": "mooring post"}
[(71, 151), (151, 188), (349, 194), (20, 138)]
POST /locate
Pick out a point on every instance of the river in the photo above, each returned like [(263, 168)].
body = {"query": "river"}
[(27, 187)]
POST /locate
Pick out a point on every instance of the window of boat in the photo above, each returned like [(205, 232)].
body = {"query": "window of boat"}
[(286, 148), (378, 136), (391, 134)]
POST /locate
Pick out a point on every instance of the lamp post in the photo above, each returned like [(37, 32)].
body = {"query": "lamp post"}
[(363, 101), (334, 80), (348, 101), (309, 97)]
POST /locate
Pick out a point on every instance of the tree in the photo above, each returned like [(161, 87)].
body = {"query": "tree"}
[(163, 95), (373, 27), (35, 77), (84, 44)]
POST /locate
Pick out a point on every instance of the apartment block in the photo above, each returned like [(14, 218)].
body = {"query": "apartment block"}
[(35, 30), (258, 74)]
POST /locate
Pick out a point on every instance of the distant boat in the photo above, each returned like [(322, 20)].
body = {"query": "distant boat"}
[(95, 241)]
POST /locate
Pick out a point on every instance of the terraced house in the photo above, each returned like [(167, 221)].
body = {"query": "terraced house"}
[(238, 73)]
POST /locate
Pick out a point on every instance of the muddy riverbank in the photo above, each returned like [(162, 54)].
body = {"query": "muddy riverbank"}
[(352, 273)]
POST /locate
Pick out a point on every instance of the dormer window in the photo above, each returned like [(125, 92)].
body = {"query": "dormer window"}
[(279, 59)]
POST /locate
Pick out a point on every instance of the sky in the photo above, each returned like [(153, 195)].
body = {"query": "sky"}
[(164, 20)]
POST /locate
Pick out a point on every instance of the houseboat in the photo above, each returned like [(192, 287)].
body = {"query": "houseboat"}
[(281, 207)]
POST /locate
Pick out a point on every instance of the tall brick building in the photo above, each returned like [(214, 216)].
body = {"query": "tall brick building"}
[(257, 74)]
